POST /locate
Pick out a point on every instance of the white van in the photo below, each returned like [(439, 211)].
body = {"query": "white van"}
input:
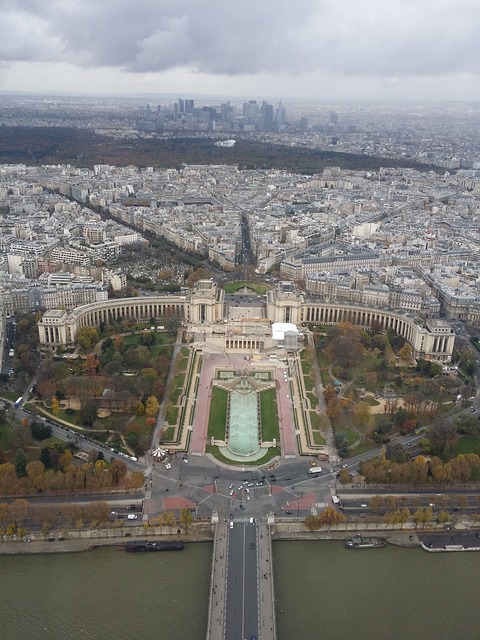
[(315, 470)]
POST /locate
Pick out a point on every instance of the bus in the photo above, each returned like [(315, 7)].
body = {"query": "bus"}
[(419, 430), (313, 470), (18, 401)]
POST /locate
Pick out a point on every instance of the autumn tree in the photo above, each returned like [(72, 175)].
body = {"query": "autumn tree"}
[(55, 405), (169, 520), (346, 351), (18, 511), (151, 406), (363, 416), (442, 438), (35, 471), (186, 518), (117, 471), (91, 364), (331, 516), (87, 337)]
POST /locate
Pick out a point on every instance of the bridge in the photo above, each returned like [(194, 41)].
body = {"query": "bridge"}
[(242, 605)]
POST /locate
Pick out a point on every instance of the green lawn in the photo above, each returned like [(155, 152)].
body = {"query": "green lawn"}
[(167, 436), (467, 445), (317, 438), (171, 415), (313, 400), (269, 415), (177, 386), (6, 434), (370, 400), (309, 383), (217, 419)]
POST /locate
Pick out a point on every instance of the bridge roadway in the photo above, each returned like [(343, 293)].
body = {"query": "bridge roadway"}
[(242, 601)]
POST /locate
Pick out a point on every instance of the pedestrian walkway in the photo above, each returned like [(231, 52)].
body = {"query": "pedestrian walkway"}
[(216, 613)]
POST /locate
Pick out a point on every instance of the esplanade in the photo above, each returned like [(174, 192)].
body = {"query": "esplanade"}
[(432, 339)]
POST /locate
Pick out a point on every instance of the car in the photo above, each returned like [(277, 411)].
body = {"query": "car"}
[(242, 508), (185, 460), (231, 524), (230, 486), (252, 545), (288, 478), (168, 466), (230, 492), (364, 506), (289, 513)]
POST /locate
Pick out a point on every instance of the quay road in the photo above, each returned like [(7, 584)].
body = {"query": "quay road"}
[(241, 595)]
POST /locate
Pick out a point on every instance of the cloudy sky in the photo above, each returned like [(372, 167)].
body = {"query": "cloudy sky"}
[(320, 50)]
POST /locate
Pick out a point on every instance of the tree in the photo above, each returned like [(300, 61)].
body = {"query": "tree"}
[(151, 406), (87, 337), (341, 442), (363, 415), (40, 431), (186, 518), (117, 470), (331, 516), (35, 471), (443, 517), (91, 364), (169, 520), (21, 463), (55, 405), (89, 414), (136, 479), (442, 438), (18, 511), (468, 424), (346, 351), (172, 325)]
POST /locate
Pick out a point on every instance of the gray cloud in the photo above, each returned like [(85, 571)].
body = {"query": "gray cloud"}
[(349, 37)]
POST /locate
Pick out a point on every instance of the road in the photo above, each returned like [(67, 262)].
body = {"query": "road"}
[(241, 582)]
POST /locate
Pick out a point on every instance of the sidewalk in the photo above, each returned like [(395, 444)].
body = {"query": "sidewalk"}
[(216, 609), (266, 594)]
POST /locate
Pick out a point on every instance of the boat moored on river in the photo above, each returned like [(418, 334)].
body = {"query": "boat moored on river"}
[(361, 542), (146, 545)]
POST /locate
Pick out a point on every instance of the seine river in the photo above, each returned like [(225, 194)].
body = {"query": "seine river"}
[(322, 589)]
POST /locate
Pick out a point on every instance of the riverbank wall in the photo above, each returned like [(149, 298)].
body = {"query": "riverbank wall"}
[(73, 541)]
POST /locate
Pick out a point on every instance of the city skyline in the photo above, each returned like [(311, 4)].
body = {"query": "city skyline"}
[(317, 51)]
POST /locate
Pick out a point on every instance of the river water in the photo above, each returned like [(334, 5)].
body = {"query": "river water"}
[(322, 589)]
